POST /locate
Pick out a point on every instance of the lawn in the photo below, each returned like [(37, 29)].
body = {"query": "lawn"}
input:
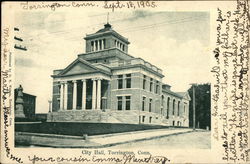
[(79, 128)]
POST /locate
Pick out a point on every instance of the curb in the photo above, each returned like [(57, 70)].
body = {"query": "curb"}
[(110, 144)]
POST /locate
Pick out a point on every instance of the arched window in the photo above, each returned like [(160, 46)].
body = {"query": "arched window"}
[(162, 100), (173, 107), (168, 104)]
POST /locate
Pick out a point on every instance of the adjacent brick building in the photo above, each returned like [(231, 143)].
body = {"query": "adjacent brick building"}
[(106, 84)]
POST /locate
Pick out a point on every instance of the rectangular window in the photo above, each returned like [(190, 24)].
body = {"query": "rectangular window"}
[(144, 81), (128, 102), (173, 112), (150, 105), (150, 119), (178, 109), (120, 81), (128, 81), (143, 103), (119, 103), (151, 85)]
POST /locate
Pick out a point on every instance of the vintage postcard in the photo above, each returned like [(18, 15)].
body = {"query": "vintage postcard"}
[(125, 82)]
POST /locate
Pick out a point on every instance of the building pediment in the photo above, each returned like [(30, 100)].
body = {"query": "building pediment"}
[(80, 66), (186, 96)]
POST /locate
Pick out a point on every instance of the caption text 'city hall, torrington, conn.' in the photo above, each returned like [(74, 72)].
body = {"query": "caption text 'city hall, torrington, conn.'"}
[(106, 84)]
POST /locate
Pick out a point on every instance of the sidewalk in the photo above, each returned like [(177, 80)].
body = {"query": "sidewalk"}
[(98, 141)]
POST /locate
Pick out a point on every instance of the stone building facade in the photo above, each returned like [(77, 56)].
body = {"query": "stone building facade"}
[(106, 84)]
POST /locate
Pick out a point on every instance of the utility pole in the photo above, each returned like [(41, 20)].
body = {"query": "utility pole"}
[(193, 107), (193, 85), (19, 39)]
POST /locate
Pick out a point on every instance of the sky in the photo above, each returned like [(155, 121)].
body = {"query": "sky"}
[(176, 42)]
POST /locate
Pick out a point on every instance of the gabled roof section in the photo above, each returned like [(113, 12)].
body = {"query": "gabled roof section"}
[(184, 95), (171, 92), (80, 66)]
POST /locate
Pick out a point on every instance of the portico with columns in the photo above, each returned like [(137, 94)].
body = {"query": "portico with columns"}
[(96, 99), (80, 86)]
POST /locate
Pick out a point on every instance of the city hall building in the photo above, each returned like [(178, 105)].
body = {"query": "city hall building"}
[(106, 84)]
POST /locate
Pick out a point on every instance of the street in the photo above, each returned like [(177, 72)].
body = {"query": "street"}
[(192, 140)]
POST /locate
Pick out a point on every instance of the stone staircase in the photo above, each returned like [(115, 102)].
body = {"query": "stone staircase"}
[(75, 116), (130, 117), (109, 116)]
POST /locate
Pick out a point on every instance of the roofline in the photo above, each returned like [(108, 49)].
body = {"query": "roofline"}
[(137, 65), (15, 90), (172, 93), (29, 94), (57, 69), (166, 84), (175, 94), (106, 50), (90, 36), (149, 63), (97, 71), (83, 61)]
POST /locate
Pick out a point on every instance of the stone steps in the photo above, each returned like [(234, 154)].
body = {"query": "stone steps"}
[(130, 117)]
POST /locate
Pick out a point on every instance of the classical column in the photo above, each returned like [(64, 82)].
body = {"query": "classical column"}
[(98, 94), (65, 95), (94, 94), (61, 96), (84, 94), (74, 94), (94, 46)]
